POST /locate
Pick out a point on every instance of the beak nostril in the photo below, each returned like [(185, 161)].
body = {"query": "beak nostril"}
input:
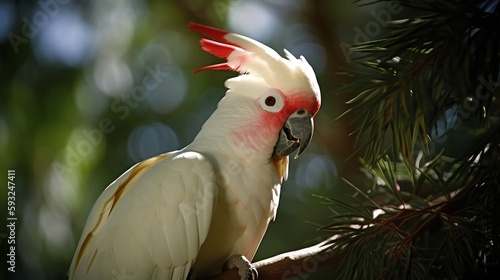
[(301, 112)]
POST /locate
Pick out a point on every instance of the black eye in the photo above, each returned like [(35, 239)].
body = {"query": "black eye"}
[(270, 101)]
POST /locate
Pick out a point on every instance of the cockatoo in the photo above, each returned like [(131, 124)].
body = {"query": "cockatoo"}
[(194, 211)]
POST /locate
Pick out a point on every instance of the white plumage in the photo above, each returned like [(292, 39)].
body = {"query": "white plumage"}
[(177, 187), (191, 210)]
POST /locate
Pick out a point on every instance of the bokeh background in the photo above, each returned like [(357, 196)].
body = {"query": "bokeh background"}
[(75, 112)]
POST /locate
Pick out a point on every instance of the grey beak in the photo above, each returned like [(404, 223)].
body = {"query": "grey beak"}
[(295, 134)]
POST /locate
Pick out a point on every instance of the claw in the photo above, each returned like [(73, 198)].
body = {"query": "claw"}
[(245, 269)]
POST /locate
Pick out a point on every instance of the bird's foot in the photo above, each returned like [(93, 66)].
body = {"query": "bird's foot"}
[(245, 269)]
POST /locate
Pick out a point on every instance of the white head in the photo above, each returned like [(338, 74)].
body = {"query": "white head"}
[(268, 109)]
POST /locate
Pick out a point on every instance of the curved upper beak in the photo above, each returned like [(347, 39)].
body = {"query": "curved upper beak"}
[(295, 134)]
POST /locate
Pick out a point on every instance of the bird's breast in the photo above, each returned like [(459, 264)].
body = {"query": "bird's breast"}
[(247, 201)]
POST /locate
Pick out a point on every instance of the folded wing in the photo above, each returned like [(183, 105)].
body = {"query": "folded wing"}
[(150, 222)]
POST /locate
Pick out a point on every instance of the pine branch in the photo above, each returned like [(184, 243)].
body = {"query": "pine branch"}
[(444, 57), (422, 223), (431, 212)]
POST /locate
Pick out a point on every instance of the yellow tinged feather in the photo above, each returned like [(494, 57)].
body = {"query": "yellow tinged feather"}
[(112, 201), (143, 166), (92, 260), (281, 165)]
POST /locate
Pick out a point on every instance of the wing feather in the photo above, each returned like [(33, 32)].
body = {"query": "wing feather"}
[(150, 222)]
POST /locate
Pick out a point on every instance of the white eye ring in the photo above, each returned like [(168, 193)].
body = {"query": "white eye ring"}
[(271, 102)]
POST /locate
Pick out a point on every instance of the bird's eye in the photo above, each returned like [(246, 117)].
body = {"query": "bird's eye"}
[(270, 101)]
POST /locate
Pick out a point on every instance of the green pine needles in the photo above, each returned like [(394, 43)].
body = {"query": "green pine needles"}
[(425, 102)]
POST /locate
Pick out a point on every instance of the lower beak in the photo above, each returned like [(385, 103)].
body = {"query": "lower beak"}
[(295, 134)]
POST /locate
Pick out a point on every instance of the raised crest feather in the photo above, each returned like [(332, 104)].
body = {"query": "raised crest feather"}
[(248, 56), (235, 55), (221, 50), (236, 49), (217, 34)]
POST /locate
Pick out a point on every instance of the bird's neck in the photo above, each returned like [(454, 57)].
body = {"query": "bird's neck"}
[(229, 131)]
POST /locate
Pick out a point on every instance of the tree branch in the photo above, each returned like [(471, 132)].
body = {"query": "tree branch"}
[(286, 265)]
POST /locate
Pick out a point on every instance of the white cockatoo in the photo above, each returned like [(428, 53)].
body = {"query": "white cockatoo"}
[(195, 211)]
